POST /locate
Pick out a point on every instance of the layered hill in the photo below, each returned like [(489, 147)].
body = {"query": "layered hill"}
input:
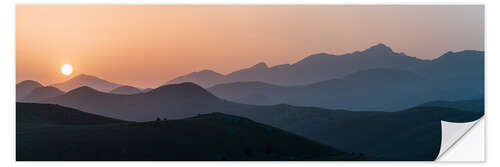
[(75, 135)]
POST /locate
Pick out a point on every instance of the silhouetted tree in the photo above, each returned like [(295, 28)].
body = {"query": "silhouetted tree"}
[(158, 119)]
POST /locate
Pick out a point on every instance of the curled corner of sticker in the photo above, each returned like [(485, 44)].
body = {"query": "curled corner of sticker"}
[(451, 132)]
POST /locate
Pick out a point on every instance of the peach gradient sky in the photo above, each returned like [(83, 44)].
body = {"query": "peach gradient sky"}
[(145, 46)]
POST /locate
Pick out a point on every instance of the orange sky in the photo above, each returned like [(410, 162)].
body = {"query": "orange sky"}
[(145, 46)]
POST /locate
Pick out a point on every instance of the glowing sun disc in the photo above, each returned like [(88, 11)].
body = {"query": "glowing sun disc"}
[(66, 69)]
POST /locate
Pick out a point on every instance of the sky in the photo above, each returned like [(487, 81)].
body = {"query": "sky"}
[(146, 46)]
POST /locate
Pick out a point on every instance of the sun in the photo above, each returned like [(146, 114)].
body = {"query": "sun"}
[(66, 69)]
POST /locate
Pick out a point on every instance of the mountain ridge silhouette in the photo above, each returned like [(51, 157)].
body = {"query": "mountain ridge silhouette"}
[(322, 66)]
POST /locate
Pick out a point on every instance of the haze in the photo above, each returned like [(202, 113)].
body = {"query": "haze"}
[(146, 46)]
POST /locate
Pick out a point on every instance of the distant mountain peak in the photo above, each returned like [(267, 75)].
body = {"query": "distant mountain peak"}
[(125, 90), (25, 87), (462, 54), (207, 72), (82, 89), (260, 65), (380, 45), (29, 82), (198, 77), (84, 76), (182, 89), (379, 49), (184, 85), (321, 54)]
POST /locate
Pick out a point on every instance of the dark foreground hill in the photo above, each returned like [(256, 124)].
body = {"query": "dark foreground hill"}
[(41, 135), (412, 134)]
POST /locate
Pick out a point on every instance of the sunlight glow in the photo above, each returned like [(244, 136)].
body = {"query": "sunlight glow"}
[(66, 69)]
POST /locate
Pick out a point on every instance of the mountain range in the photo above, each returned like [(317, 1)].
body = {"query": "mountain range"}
[(179, 101), (354, 81), (335, 104), (322, 66)]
